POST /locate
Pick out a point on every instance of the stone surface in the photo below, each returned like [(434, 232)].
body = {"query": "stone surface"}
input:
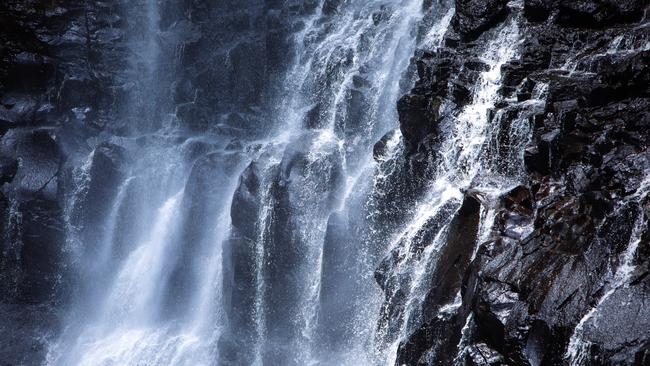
[(558, 238), (66, 81)]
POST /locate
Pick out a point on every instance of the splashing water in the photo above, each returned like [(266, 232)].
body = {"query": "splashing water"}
[(179, 282)]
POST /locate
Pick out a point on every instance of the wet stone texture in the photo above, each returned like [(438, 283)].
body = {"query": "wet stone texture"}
[(556, 258), (559, 240)]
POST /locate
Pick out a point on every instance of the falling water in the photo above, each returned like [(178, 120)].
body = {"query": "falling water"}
[(159, 292), (339, 99), (463, 157), (265, 254)]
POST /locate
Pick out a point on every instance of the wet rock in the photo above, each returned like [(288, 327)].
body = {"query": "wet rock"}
[(380, 149), (98, 181), (577, 14), (21, 110), (336, 310), (473, 17), (446, 280), (536, 10), (33, 161), (207, 192), (75, 92), (417, 118), (455, 255), (240, 281), (557, 239), (617, 331), (598, 13), (352, 122), (22, 327), (330, 7), (32, 216)]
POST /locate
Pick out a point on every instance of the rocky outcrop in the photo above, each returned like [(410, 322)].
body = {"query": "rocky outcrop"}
[(586, 14), (233, 54), (558, 246), (436, 339), (474, 16)]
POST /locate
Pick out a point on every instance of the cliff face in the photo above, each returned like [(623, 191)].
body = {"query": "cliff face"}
[(560, 276), (563, 274), (54, 87)]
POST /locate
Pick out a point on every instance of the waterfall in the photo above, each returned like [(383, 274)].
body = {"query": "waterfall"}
[(263, 250), (162, 254), (336, 101), (324, 182)]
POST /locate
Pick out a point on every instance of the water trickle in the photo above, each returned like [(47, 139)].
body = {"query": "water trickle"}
[(577, 353)]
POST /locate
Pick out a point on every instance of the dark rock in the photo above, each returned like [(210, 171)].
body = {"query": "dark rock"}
[(330, 7), (473, 17), (33, 160), (379, 150), (336, 310), (599, 13), (446, 281), (536, 10), (418, 118), (23, 327), (207, 192), (240, 280), (557, 239), (585, 14), (618, 329)]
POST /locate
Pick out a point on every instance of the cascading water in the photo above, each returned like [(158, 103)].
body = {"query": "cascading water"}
[(264, 252), (464, 158), (152, 239), (338, 97), (176, 282)]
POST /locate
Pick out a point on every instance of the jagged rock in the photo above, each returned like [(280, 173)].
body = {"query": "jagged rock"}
[(617, 331), (330, 6), (558, 238), (576, 14), (380, 147), (418, 118), (446, 281), (473, 17)]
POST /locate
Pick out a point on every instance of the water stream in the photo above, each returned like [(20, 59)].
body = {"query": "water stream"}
[(265, 254)]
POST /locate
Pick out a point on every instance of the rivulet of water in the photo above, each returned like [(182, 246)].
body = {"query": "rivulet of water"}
[(577, 352)]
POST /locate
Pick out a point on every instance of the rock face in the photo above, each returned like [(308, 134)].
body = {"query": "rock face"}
[(556, 271), (473, 17), (561, 276), (51, 85)]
